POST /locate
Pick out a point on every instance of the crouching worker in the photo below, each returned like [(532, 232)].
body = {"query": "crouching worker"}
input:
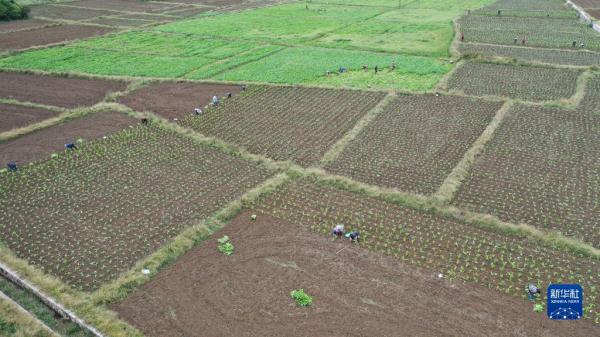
[(197, 111), (12, 166), (532, 290), (353, 236), (338, 231), (71, 146)]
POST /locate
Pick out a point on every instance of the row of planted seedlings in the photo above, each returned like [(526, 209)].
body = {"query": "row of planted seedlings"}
[(500, 260), (91, 213)]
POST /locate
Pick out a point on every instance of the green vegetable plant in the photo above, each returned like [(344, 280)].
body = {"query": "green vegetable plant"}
[(301, 298), (225, 246)]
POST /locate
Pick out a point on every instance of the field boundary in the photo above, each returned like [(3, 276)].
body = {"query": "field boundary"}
[(336, 150), (454, 180), (426, 204), (50, 302), (27, 314)]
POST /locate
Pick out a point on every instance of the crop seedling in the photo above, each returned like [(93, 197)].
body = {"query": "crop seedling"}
[(225, 246), (302, 299)]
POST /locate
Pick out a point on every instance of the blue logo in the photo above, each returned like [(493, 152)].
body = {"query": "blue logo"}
[(565, 301)]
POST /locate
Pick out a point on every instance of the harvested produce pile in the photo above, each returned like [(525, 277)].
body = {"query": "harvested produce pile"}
[(286, 123), (91, 213), (540, 31), (527, 83), (541, 168), (415, 142), (247, 294), (553, 56), (498, 261)]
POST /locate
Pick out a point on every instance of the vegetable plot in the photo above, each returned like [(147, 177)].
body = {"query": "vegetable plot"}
[(286, 123), (521, 82), (541, 168), (91, 213), (498, 261), (415, 142)]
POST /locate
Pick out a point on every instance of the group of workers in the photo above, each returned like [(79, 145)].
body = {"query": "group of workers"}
[(365, 67), (338, 232), (215, 101)]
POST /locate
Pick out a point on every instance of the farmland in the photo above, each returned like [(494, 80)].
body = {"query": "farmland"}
[(104, 205), (494, 260), (15, 116), (288, 43), (376, 290), (466, 163), (527, 83), (540, 170), (40, 145), (64, 92), (540, 31), (391, 153), (286, 123)]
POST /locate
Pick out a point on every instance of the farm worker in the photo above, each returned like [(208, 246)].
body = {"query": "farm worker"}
[(12, 166), (353, 236), (215, 100), (393, 66), (327, 73), (365, 67), (197, 111), (145, 121), (515, 40), (499, 12), (228, 95), (71, 146), (338, 230), (243, 88), (524, 40), (462, 36), (532, 290), (574, 44), (343, 70), (582, 45), (376, 69)]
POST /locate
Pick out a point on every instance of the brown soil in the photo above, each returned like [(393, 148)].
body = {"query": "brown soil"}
[(121, 22), (22, 24), (40, 144), (15, 116), (356, 293), (123, 5), (67, 13), (48, 35), (184, 12), (175, 100), (594, 12), (57, 91)]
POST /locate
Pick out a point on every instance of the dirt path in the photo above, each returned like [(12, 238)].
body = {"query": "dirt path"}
[(356, 293)]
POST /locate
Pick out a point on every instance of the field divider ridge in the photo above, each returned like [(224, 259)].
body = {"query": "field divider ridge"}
[(183, 242), (457, 176), (336, 150), (49, 301), (442, 84), (580, 88), (29, 316), (428, 204)]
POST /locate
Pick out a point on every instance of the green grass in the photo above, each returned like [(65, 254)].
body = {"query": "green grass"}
[(291, 23), (309, 64), (279, 44), (41, 311)]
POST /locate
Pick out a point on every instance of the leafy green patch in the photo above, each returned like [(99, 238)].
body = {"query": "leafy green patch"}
[(301, 298), (225, 246)]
